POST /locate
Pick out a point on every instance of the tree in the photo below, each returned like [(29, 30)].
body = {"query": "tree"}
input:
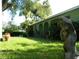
[(11, 28), (29, 8), (42, 10), (25, 24), (25, 6), (6, 4)]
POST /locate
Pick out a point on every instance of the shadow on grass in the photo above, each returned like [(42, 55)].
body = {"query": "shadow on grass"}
[(43, 50), (44, 40), (23, 44), (39, 53)]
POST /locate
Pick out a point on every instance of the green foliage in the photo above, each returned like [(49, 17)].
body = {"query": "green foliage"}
[(42, 10), (4, 4), (25, 24), (30, 9), (11, 28)]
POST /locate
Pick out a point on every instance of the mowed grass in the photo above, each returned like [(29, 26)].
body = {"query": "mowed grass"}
[(31, 48)]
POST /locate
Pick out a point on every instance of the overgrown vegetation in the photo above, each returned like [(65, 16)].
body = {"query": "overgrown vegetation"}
[(31, 48)]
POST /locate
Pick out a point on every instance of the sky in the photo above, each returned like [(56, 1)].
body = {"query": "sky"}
[(17, 19), (57, 6)]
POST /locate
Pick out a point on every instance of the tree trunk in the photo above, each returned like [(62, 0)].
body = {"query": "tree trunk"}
[(0, 19)]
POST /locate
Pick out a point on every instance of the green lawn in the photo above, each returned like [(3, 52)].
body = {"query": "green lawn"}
[(31, 48)]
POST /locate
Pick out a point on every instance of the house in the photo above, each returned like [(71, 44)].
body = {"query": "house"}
[(48, 27)]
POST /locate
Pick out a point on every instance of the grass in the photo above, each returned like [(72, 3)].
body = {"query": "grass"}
[(31, 48)]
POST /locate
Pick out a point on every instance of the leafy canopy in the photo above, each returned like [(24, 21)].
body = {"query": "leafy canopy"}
[(41, 10), (32, 9)]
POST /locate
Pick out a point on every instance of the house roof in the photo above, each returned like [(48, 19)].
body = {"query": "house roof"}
[(71, 9)]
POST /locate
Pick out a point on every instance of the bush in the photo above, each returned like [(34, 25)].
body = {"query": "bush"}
[(22, 34), (6, 36)]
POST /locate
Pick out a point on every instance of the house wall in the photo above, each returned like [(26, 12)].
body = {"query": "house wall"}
[(49, 28)]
